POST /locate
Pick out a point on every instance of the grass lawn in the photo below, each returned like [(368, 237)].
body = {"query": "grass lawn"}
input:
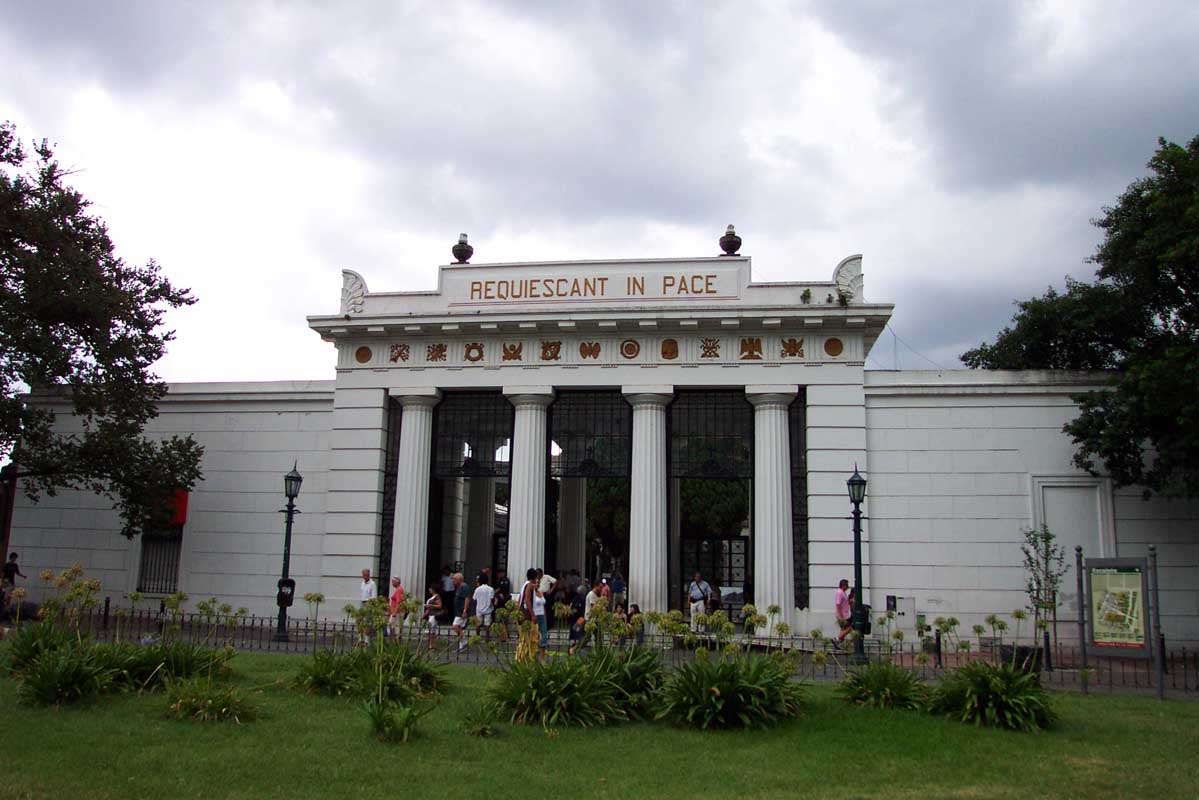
[(301, 747)]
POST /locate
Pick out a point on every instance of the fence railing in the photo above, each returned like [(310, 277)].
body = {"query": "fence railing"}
[(815, 658)]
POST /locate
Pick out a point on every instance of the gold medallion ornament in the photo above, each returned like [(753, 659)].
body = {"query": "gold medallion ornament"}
[(589, 349), (670, 349), (435, 352), (362, 355), (709, 348), (630, 348), (550, 351), (833, 347), (751, 349), (399, 352), (473, 352), (512, 352), (792, 348)]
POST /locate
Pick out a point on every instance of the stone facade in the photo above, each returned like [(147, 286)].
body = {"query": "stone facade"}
[(958, 462)]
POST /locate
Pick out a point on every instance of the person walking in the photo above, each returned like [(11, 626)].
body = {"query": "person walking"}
[(592, 598), (8, 578), (367, 591), (433, 609), (844, 611), (394, 608), (698, 593), (638, 623), (618, 589), (483, 598), (527, 628), (462, 600)]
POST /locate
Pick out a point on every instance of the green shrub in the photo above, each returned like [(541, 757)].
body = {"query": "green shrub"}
[(31, 641), (329, 673), (743, 692), (405, 673), (480, 721), (62, 676), (415, 668), (883, 685), (997, 696), (137, 667), (201, 700), (558, 691), (394, 722), (182, 660), (638, 676), (133, 667)]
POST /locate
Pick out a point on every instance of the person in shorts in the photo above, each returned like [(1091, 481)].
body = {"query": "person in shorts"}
[(462, 600), (484, 598)]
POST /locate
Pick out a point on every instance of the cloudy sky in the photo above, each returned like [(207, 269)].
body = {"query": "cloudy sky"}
[(256, 149)]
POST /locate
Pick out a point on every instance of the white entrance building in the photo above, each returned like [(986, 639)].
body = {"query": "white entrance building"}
[(650, 417)]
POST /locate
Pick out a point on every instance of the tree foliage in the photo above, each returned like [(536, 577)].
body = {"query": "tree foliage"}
[(81, 329), (1140, 318)]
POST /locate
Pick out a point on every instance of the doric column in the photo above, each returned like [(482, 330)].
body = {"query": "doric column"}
[(572, 524), (773, 557), (411, 531), (526, 504), (648, 581)]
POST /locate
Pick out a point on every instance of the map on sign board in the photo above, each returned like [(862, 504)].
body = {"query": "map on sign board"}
[(1117, 601)]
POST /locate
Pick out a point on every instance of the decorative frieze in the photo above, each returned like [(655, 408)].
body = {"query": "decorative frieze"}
[(643, 350)]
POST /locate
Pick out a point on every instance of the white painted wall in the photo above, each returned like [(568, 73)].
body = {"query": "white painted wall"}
[(962, 461), (233, 539)]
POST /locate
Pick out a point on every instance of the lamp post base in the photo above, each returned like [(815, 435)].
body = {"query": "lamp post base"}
[(281, 628)]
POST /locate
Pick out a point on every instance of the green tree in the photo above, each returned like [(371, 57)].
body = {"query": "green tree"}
[(81, 329), (1141, 319)]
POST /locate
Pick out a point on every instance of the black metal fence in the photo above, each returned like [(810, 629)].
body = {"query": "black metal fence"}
[(815, 659)]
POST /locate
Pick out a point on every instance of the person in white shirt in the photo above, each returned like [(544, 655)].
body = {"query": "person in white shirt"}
[(484, 604), (589, 605), (368, 591), (698, 594)]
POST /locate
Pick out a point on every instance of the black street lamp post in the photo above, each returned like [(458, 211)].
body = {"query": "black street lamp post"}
[(287, 587), (857, 493)]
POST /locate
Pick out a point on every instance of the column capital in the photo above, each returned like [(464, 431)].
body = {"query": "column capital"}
[(529, 396), (643, 396), (416, 397), (766, 395)]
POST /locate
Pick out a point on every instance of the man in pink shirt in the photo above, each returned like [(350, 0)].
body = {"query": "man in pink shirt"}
[(844, 611)]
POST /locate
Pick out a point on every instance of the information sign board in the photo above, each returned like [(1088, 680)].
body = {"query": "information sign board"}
[(1118, 607)]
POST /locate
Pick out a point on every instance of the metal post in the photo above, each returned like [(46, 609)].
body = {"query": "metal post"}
[(1082, 615), (290, 511), (937, 646), (1159, 658), (859, 616)]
